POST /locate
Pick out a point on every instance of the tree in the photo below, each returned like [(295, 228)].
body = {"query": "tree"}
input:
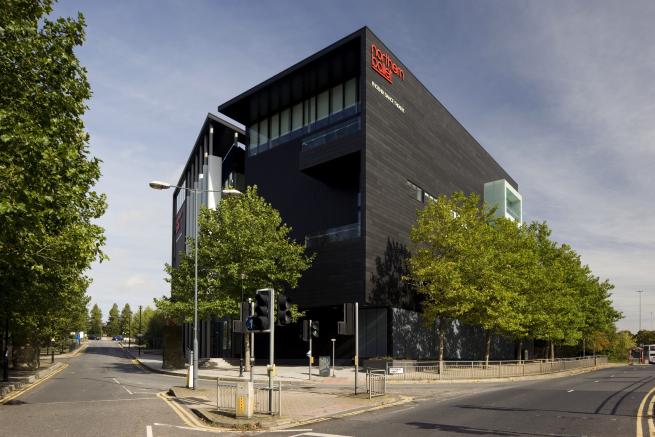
[(620, 344), (461, 264), (125, 321), (114, 323), (47, 203), (645, 337), (242, 245), (95, 322)]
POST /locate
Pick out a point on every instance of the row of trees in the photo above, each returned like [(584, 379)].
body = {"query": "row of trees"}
[(507, 278), (148, 323), (48, 238)]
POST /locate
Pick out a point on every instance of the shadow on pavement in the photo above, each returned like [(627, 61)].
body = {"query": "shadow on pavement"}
[(468, 430)]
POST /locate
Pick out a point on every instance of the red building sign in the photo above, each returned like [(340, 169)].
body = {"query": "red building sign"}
[(384, 65)]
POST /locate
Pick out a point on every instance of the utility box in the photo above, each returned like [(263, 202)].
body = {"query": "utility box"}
[(245, 398), (324, 366)]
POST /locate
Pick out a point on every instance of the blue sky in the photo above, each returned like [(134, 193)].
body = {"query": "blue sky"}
[(560, 93)]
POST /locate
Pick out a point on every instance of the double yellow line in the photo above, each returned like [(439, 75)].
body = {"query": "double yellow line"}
[(187, 416), (648, 414), (31, 386)]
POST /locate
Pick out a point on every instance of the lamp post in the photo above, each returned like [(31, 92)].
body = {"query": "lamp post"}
[(640, 293), (140, 332), (159, 185)]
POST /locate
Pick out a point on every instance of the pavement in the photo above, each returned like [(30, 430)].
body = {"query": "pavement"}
[(287, 374), (103, 391), (343, 376)]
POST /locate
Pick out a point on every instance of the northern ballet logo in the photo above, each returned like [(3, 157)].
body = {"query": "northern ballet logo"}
[(382, 63)]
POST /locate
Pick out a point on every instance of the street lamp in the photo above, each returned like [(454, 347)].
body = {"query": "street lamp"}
[(160, 185)]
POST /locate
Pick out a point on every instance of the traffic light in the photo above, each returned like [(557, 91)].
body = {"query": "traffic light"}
[(261, 318), (283, 310), (314, 328)]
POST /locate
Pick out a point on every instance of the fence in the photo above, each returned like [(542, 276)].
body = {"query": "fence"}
[(376, 382), (226, 397), (434, 370)]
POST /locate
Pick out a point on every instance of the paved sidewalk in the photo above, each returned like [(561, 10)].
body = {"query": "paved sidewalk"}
[(287, 374), (298, 407)]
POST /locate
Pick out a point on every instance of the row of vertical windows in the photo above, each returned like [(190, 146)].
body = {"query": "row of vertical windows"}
[(301, 114), (179, 197), (420, 194)]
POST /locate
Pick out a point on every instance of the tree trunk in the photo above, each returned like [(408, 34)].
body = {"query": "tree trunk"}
[(442, 337), (519, 351), (487, 347), (552, 351)]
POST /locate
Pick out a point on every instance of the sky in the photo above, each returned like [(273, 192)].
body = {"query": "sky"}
[(560, 93)]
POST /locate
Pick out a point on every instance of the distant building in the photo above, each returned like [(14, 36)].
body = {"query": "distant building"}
[(346, 144)]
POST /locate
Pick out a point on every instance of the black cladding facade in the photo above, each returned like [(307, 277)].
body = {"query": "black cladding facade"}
[(347, 153)]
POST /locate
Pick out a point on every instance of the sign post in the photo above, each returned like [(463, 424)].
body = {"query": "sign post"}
[(333, 342), (356, 343)]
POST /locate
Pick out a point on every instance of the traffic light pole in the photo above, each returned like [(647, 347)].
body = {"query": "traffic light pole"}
[(252, 344)]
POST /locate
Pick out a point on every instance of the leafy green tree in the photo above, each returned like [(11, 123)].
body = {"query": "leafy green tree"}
[(620, 345), (645, 337), (114, 321), (47, 203), (462, 265), (125, 320), (242, 245), (95, 322)]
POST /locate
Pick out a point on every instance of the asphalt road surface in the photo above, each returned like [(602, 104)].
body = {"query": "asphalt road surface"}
[(103, 393), (100, 393), (600, 403)]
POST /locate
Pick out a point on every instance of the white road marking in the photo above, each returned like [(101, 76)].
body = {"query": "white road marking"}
[(127, 389), (569, 391), (399, 411), (319, 434), (148, 431), (186, 427), (596, 381), (116, 381)]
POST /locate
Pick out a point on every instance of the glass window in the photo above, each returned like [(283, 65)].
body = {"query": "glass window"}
[(180, 197), (336, 99), (323, 105), (263, 131), (296, 117), (254, 140), (350, 92), (284, 121), (275, 126), (418, 192), (310, 110)]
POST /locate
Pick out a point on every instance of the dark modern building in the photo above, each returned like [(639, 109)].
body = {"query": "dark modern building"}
[(346, 144)]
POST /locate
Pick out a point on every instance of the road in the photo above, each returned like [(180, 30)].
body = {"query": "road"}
[(601, 403), (100, 393), (103, 393)]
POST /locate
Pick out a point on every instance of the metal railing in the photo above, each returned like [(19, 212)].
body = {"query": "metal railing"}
[(434, 370), (376, 382), (226, 397)]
